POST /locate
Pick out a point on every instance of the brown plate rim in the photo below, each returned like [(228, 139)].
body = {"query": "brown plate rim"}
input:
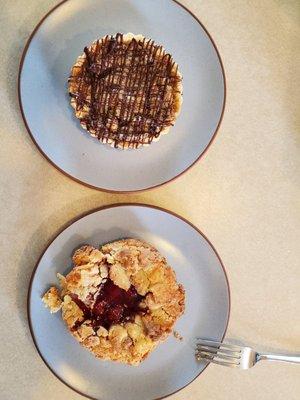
[(84, 214), (97, 187)]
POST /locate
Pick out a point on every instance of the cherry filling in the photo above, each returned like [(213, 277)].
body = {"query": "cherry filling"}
[(112, 306)]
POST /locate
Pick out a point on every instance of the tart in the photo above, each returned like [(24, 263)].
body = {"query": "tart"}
[(126, 90), (120, 301)]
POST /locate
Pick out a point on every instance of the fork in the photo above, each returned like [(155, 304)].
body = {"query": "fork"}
[(236, 356)]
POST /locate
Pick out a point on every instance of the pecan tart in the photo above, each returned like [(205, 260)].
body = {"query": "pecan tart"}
[(126, 90)]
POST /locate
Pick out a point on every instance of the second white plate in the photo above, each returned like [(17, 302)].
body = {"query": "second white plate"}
[(173, 364)]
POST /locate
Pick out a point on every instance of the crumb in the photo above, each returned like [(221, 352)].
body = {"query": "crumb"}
[(177, 335)]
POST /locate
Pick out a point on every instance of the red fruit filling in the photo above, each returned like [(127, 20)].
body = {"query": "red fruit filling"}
[(112, 306)]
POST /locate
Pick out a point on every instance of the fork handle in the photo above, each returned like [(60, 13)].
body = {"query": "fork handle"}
[(278, 357)]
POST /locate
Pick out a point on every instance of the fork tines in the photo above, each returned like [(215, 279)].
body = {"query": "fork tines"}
[(218, 352)]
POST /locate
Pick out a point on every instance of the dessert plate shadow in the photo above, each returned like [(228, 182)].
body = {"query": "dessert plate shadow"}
[(53, 48), (172, 365)]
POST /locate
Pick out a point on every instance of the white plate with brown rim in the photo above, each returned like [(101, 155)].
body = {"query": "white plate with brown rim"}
[(50, 53), (171, 366)]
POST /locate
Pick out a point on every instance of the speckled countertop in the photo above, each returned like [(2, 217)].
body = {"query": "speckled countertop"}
[(244, 194)]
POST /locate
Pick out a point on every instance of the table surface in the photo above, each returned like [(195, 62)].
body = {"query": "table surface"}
[(244, 194)]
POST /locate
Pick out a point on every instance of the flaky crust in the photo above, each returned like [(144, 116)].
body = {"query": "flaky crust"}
[(126, 262), (81, 112)]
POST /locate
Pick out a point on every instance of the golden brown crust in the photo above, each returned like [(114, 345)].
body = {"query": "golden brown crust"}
[(71, 313), (126, 262)]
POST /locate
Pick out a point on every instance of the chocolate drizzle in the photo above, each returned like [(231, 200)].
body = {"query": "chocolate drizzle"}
[(124, 91)]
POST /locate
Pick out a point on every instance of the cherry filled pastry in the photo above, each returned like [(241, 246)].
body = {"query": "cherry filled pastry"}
[(120, 301)]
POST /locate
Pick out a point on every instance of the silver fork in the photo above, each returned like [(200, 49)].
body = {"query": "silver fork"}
[(236, 356)]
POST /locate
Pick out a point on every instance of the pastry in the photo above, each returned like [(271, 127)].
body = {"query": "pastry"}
[(120, 301), (126, 90)]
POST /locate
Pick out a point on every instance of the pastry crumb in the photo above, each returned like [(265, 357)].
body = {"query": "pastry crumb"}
[(52, 300), (177, 335)]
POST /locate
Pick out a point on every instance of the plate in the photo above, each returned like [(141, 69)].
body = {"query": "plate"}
[(172, 365), (45, 67)]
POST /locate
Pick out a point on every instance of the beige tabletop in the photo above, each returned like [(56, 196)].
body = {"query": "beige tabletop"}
[(244, 194)]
